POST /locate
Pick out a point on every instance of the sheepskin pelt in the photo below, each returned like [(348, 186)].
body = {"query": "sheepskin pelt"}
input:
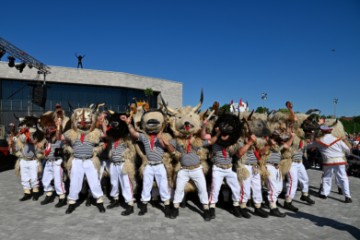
[(93, 136)]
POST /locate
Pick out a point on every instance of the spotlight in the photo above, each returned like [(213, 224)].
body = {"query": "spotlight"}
[(2, 52), (20, 67), (11, 61)]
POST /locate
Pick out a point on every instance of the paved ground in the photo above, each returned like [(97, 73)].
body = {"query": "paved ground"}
[(327, 219)]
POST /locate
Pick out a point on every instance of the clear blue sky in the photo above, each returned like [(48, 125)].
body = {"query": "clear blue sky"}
[(305, 51)]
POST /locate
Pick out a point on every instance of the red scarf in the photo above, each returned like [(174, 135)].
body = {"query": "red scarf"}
[(152, 141), (257, 154), (82, 137), (188, 148)]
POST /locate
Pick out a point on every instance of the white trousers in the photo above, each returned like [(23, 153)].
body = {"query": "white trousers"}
[(79, 169), (159, 173), (118, 176), (297, 174), (29, 173), (198, 177), (53, 170), (274, 183), (340, 175), (218, 175), (253, 182)]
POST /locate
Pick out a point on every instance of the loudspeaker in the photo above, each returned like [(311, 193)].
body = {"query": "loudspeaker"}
[(39, 95)]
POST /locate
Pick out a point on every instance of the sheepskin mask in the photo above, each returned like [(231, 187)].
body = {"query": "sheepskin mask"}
[(116, 127), (230, 127), (83, 119), (153, 121)]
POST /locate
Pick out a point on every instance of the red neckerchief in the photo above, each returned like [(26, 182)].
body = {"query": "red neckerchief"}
[(47, 149), (224, 152), (328, 145), (257, 154), (152, 141), (82, 137), (116, 144)]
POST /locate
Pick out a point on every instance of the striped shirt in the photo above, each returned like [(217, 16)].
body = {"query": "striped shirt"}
[(154, 155), (28, 151), (53, 146), (251, 158), (83, 150), (297, 155), (191, 158), (221, 154), (274, 158), (117, 150)]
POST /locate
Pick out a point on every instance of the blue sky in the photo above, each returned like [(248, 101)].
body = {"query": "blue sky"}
[(305, 51)]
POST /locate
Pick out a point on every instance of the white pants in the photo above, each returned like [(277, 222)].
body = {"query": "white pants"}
[(274, 183), (198, 177), (297, 174), (29, 173), (105, 164), (159, 173), (117, 175), (253, 182), (218, 175), (53, 170), (341, 176), (78, 170)]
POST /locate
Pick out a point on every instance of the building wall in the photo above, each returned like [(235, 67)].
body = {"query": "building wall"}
[(170, 90)]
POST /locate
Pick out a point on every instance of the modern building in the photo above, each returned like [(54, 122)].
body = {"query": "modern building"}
[(79, 87)]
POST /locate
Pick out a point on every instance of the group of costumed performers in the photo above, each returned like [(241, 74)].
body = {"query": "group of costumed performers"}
[(180, 151)]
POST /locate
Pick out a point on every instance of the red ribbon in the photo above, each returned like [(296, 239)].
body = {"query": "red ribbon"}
[(82, 137), (188, 148), (257, 154), (224, 153), (47, 149), (152, 141)]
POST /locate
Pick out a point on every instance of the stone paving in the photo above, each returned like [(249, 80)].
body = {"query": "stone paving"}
[(327, 219)]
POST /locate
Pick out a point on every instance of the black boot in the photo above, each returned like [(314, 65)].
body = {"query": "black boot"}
[(276, 213), (307, 199), (62, 202), (167, 211), (70, 208), (143, 209), (26, 196), (207, 216), (244, 212), (322, 196), (340, 191), (129, 210), (35, 196), (212, 213), (261, 213), (100, 206), (48, 199), (174, 213), (348, 200), (113, 204), (237, 211), (89, 201), (289, 206)]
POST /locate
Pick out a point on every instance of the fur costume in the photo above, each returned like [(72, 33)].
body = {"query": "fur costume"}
[(185, 124), (118, 131)]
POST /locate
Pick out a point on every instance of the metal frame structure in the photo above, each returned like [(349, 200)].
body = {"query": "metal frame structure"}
[(22, 56)]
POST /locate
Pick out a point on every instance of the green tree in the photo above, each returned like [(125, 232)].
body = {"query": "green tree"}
[(262, 110), (225, 107), (148, 94)]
